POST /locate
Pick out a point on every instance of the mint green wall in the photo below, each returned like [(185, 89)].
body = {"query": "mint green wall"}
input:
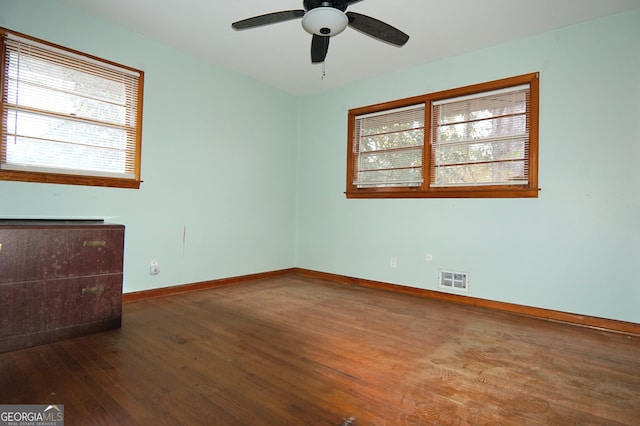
[(218, 160), (575, 248)]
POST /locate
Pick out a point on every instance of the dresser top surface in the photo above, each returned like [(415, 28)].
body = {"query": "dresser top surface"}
[(55, 223)]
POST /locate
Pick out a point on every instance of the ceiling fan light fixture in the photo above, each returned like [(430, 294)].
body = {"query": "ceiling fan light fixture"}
[(325, 21)]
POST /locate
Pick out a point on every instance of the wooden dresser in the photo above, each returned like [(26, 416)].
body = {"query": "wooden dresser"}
[(58, 279)]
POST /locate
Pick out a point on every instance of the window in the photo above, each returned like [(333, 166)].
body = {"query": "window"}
[(475, 141), (68, 117)]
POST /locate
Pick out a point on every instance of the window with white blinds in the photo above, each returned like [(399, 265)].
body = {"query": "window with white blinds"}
[(388, 147), (481, 139), (68, 117), (474, 141)]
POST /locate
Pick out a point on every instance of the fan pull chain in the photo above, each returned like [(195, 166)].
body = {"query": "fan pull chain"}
[(324, 71)]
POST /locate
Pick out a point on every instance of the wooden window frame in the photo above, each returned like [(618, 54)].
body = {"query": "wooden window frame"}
[(425, 190), (59, 176)]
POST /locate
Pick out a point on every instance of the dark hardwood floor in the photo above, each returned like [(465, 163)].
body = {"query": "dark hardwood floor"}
[(301, 351)]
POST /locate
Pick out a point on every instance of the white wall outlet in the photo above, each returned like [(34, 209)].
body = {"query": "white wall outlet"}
[(154, 269), (428, 257), (393, 262)]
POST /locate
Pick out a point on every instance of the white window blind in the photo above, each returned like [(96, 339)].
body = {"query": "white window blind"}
[(388, 148), (66, 113), (481, 139)]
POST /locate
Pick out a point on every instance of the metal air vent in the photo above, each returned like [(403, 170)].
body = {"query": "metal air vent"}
[(453, 280)]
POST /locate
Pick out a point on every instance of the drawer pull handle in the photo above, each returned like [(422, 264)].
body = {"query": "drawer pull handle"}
[(95, 243), (93, 290)]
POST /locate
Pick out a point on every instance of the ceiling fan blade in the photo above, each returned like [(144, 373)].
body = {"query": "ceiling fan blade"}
[(319, 48), (343, 3), (377, 29), (269, 18)]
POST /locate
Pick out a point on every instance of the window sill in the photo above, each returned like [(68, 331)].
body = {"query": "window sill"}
[(20, 176), (443, 193)]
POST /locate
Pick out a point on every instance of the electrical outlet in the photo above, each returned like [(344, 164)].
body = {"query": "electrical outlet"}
[(428, 257), (154, 269), (393, 262)]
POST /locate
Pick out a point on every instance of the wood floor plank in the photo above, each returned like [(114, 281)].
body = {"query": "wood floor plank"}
[(294, 350)]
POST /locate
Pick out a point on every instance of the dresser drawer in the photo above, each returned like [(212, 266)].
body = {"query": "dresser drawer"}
[(45, 311), (42, 253), (83, 300), (22, 308)]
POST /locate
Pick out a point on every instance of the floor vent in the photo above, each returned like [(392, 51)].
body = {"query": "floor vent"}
[(454, 280)]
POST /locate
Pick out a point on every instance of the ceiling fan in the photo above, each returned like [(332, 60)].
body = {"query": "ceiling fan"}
[(325, 19)]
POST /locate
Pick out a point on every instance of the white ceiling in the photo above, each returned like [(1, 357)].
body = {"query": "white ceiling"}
[(279, 54)]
